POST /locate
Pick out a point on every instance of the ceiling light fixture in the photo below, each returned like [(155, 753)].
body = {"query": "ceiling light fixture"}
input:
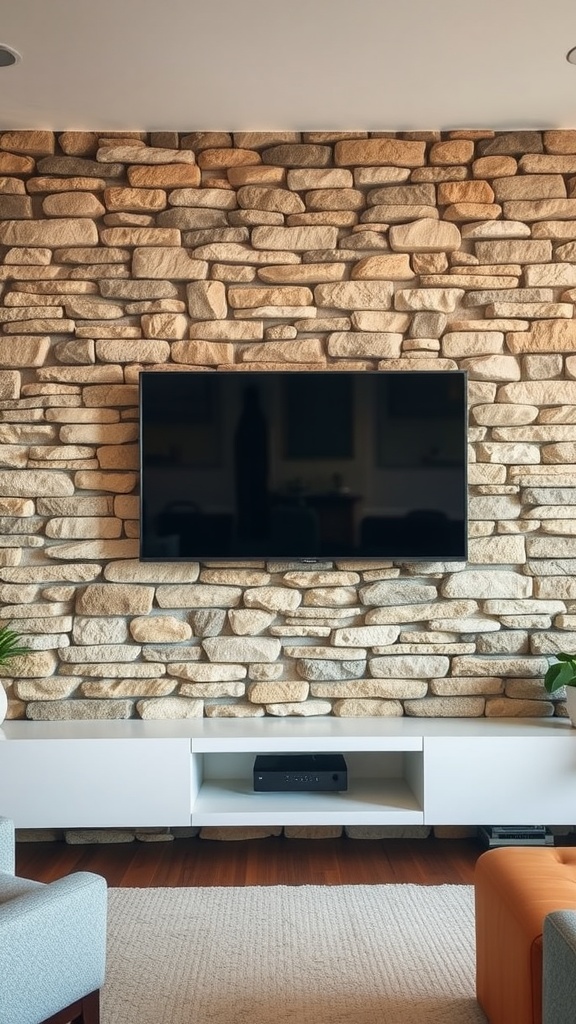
[(8, 56), (571, 55)]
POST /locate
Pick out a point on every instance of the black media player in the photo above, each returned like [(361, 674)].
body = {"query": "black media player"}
[(277, 773)]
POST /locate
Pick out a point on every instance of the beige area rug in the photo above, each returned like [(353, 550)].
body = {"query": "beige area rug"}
[(355, 954)]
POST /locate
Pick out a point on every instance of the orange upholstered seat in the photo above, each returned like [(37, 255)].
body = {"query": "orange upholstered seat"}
[(515, 887)]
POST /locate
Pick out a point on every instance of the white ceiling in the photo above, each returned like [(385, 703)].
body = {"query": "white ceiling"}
[(201, 65)]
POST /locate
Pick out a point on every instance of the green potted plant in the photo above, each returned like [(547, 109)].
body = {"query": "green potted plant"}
[(10, 646), (563, 673)]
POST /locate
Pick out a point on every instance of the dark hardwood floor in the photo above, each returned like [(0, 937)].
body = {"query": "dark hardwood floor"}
[(271, 861)]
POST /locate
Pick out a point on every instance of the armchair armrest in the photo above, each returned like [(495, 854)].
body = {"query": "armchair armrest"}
[(52, 947), (559, 967), (6, 846)]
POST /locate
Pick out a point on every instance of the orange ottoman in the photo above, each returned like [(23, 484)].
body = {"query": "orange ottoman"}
[(515, 887)]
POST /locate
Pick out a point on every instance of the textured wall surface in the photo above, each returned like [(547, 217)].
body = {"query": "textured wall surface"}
[(283, 250)]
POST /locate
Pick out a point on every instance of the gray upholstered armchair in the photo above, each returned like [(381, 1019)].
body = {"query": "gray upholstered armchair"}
[(52, 944), (559, 967)]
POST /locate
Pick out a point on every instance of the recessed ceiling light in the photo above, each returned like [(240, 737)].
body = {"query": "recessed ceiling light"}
[(571, 55), (8, 56)]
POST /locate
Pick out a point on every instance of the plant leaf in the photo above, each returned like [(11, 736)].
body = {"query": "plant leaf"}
[(562, 673)]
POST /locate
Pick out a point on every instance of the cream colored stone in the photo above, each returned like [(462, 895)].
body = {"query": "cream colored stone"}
[(294, 239), (384, 267), (395, 666), (132, 571), (211, 691), (202, 353), (492, 367), (440, 299), (356, 344), (174, 708), (364, 636), (272, 599), (226, 330), (478, 583), (49, 233), (366, 708), (207, 673), (503, 707), (278, 692), (159, 629), (197, 595), (168, 263), (238, 649), (445, 707), (331, 598), (317, 578), (425, 235), (376, 152), (164, 325), (115, 599), (207, 299), (248, 621)]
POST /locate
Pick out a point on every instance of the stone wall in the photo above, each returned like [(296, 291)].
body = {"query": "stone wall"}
[(320, 250)]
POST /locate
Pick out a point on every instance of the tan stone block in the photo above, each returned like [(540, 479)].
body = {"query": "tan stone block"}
[(492, 367), (366, 708), (541, 209), (206, 353), (97, 549), (503, 707), (77, 709), (305, 351), (278, 200), (164, 325), (307, 272), (115, 599), (246, 298), (465, 192), (478, 584), (133, 571), (81, 374), (277, 692), (12, 164), (560, 141), (385, 267), (363, 295), (226, 330), (457, 151), (456, 344), (241, 649), (49, 233), (164, 176), (375, 152), (85, 526), (197, 596), (54, 688), (472, 212), (494, 167), (36, 664), (232, 252), (514, 251), (222, 158), (171, 708), (172, 263), (445, 707), (358, 344), (24, 351), (294, 239), (137, 352), (212, 691), (434, 299), (207, 299)]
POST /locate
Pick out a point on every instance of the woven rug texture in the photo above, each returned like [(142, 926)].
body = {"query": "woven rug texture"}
[(354, 954)]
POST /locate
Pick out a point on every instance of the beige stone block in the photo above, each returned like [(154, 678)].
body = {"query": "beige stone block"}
[(277, 692), (261, 671), (331, 597), (207, 673), (394, 689), (492, 367), (419, 666), (545, 337), (209, 353), (24, 351), (118, 483), (560, 141), (381, 216), (364, 295), (226, 330), (318, 669), (318, 178), (37, 142), (117, 688), (294, 239), (504, 550), (530, 187), (313, 273), (86, 527), (297, 155), (467, 686), (232, 252), (539, 392), (171, 708), (137, 352), (445, 707), (465, 192), (357, 344), (180, 595), (246, 298), (442, 300), (167, 175), (164, 325), (49, 233), (272, 599), (241, 649), (472, 212), (508, 453), (207, 299), (36, 664), (478, 584), (73, 204), (514, 251), (115, 599), (277, 200), (367, 708), (376, 152), (318, 578), (53, 688), (168, 263), (211, 691), (384, 267), (159, 629), (456, 344), (304, 709), (111, 670), (364, 636), (334, 199), (454, 151), (504, 707), (248, 621), (92, 630), (32, 483)]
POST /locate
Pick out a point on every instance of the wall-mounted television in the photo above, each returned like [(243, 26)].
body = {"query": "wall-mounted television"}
[(298, 465)]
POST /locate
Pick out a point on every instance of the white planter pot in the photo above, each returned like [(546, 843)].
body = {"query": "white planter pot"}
[(3, 703), (571, 703)]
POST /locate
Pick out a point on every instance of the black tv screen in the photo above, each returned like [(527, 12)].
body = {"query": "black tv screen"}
[(302, 465)]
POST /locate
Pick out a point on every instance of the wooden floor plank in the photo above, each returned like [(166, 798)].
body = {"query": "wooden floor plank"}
[(271, 861)]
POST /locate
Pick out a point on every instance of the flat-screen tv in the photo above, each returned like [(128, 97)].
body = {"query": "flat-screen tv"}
[(305, 466)]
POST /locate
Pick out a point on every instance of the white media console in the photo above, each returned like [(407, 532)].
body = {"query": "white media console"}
[(409, 771)]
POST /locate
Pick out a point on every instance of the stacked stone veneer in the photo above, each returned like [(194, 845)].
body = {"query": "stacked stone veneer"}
[(320, 250)]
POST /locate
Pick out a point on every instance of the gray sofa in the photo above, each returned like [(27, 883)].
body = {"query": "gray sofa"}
[(559, 968), (52, 944)]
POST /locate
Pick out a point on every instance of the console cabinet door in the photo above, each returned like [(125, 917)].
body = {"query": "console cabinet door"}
[(96, 783), (500, 780)]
